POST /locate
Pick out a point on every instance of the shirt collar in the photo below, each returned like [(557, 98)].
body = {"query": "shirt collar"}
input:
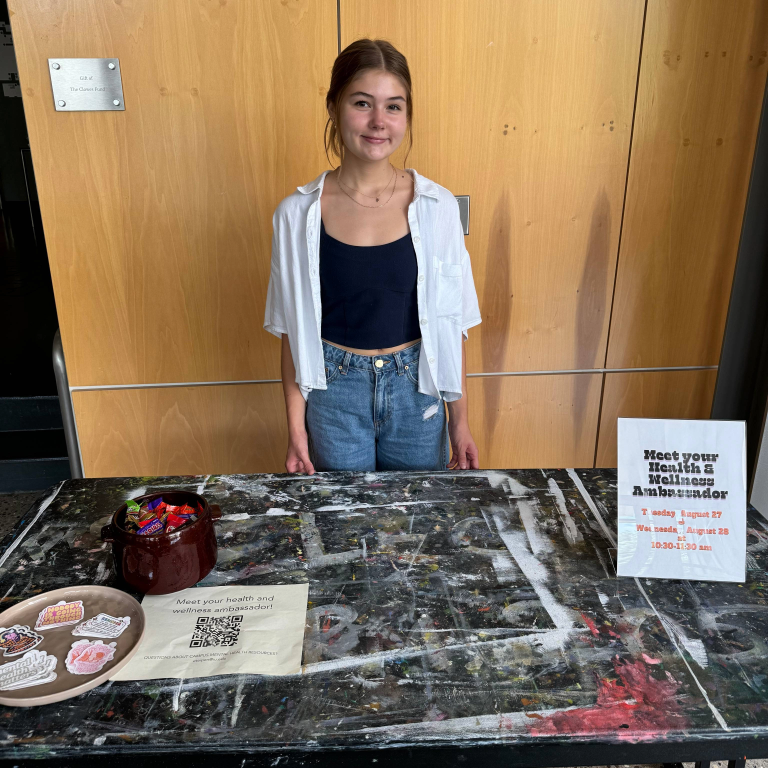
[(422, 185)]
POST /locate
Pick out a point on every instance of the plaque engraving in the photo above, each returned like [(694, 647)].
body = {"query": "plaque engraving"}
[(86, 85)]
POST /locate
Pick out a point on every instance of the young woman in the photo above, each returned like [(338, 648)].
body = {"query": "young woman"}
[(371, 290)]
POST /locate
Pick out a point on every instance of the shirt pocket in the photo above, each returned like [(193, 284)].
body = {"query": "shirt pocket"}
[(449, 286)]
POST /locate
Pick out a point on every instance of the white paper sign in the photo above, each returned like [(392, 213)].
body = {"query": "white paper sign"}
[(682, 499), (221, 630)]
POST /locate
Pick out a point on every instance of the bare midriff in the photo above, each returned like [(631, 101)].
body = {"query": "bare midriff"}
[(371, 352)]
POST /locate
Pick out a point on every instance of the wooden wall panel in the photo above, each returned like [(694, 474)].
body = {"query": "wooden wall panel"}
[(526, 107), (651, 395), (158, 220), (535, 421), (182, 430), (701, 88)]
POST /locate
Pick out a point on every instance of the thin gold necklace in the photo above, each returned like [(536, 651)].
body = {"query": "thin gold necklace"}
[(394, 173)]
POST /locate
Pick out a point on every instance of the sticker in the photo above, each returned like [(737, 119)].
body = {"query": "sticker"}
[(33, 668), (87, 658), (60, 615), (102, 625), (18, 639)]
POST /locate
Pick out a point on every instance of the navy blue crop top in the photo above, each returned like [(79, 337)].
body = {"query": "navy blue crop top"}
[(368, 293)]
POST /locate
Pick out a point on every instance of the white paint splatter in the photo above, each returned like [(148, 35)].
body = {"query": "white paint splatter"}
[(571, 532), (540, 543), (516, 488), (102, 572), (504, 567), (693, 645), (234, 518), (544, 640), (347, 507), (46, 503), (176, 695), (140, 491), (201, 486), (239, 696), (535, 572), (493, 726), (99, 740), (592, 506)]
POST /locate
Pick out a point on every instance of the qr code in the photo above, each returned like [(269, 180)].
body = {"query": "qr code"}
[(216, 630)]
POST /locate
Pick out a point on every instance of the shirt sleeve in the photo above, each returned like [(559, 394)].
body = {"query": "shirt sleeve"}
[(274, 314), (470, 309)]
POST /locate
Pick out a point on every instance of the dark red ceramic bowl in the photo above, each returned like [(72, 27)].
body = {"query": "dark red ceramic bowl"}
[(166, 562)]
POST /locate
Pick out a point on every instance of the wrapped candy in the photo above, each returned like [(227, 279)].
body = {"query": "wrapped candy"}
[(158, 517)]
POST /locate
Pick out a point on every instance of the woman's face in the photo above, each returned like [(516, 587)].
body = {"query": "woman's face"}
[(372, 119)]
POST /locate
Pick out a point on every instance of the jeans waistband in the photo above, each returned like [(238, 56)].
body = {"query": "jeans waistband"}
[(391, 361)]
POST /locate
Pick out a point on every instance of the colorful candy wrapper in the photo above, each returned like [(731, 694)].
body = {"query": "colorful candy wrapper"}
[(173, 522), (159, 517), (154, 527)]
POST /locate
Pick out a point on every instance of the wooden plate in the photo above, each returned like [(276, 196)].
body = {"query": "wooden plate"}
[(58, 640)]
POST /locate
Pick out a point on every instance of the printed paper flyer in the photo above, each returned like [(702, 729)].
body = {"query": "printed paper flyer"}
[(221, 630), (682, 499)]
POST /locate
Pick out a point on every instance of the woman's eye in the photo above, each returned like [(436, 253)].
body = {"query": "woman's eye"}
[(396, 106)]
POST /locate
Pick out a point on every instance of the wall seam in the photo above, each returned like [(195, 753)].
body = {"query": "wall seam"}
[(564, 372), (626, 186)]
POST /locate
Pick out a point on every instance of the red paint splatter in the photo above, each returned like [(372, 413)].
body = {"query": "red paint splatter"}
[(635, 707), (591, 624)]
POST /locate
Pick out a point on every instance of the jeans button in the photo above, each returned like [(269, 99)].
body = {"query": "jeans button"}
[(379, 363)]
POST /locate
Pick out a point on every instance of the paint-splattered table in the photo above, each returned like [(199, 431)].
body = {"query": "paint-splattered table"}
[(459, 617)]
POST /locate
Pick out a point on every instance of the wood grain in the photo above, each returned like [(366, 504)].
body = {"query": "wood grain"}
[(237, 428), (158, 220), (526, 107), (651, 394), (535, 421), (701, 89)]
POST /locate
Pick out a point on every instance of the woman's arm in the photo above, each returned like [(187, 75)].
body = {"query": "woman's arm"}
[(297, 459), (463, 448)]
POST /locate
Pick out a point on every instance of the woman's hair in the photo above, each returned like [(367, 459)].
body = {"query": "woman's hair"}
[(356, 58)]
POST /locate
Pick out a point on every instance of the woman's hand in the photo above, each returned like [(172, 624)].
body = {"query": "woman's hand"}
[(463, 449), (297, 460)]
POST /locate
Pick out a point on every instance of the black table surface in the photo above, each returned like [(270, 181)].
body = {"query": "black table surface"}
[(456, 617)]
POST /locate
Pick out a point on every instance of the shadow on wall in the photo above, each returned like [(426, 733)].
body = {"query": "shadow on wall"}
[(497, 308), (590, 306)]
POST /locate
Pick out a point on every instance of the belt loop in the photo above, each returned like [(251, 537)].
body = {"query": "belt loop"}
[(399, 363), (345, 364)]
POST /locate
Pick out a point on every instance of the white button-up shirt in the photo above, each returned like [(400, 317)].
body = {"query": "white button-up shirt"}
[(445, 290)]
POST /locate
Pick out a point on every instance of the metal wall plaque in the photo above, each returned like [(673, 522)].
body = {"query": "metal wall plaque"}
[(86, 85), (464, 211)]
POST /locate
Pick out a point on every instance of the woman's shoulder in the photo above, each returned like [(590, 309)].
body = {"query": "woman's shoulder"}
[(300, 199), (430, 188)]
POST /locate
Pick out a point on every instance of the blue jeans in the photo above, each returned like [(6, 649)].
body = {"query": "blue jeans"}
[(373, 417)]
